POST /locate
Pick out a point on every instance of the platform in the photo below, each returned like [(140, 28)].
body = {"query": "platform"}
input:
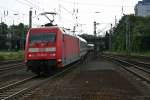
[(95, 80)]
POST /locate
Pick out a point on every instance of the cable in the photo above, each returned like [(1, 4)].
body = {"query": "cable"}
[(11, 10), (27, 3), (36, 6), (89, 4), (35, 1), (24, 3), (66, 9), (69, 12)]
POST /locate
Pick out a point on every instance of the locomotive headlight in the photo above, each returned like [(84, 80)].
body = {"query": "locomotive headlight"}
[(59, 60), (53, 54), (29, 55)]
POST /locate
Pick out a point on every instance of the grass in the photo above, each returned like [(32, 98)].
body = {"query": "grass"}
[(147, 54), (5, 55)]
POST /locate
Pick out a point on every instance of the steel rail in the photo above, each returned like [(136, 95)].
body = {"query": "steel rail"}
[(10, 62), (11, 67), (25, 90), (5, 88), (124, 64)]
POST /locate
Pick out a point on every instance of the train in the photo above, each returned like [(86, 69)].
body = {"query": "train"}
[(90, 47), (48, 48)]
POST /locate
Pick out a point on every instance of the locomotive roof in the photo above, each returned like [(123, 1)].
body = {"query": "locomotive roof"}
[(63, 29), (51, 27)]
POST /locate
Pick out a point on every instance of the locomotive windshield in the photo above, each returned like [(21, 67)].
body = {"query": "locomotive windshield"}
[(42, 37)]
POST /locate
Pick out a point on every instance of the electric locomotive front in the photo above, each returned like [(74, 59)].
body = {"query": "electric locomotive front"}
[(40, 51)]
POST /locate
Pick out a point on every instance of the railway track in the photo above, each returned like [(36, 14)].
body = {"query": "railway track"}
[(11, 90), (10, 66), (144, 66), (141, 70), (8, 69), (22, 88), (14, 76), (10, 62), (13, 72), (139, 59)]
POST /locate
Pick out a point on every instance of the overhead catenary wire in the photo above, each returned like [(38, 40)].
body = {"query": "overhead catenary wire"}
[(30, 4), (97, 4), (21, 2), (10, 10), (35, 1), (34, 5), (74, 17)]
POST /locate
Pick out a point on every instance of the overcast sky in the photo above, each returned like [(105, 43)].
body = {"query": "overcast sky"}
[(107, 9)]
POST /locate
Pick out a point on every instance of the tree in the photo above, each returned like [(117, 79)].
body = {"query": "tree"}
[(3, 28), (139, 30)]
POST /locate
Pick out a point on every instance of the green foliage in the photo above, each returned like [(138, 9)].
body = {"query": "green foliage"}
[(3, 28), (139, 28), (12, 37), (19, 30)]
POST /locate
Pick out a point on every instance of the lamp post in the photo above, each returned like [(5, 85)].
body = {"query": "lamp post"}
[(30, 18), (13, 31), (127, 35), (110, 38), (95, 36), (21, 36)]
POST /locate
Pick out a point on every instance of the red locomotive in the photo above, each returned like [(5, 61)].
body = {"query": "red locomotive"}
[(52, 47)]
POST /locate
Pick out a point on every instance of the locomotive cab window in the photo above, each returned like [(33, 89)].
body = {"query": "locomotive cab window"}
[(42, 37)]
